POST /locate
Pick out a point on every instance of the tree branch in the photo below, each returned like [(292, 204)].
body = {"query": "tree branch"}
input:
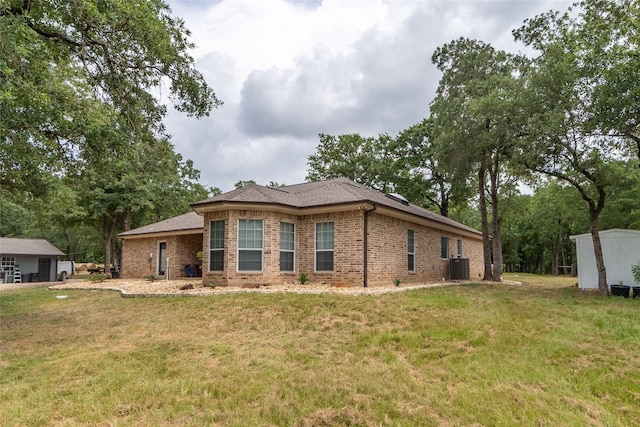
[(53, 35)]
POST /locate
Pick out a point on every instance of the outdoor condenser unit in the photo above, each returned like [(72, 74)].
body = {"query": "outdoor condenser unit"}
[(459, 268)]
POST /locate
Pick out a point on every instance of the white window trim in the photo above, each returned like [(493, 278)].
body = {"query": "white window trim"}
[(315, 250), (222, 249), (411, 253), (287, 250), (238, 248), (459, 248), (8, 266)]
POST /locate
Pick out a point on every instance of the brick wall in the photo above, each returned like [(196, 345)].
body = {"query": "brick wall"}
[(347, 251), (181, 250), (388, 252), (387, 256), (347, 247)]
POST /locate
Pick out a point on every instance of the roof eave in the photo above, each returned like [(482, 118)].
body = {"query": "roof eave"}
[(337, 207), (161, 233), (429, 222), (281, 208)]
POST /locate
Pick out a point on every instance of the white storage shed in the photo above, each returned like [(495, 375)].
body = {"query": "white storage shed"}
[(620, 250), (27, 260)]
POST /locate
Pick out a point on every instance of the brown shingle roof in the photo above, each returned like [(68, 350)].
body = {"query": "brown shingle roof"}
[(299, 196), (185, 222), (324, 193), (15, 246)]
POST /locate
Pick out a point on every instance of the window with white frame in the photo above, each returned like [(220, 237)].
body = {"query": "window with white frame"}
[(444, 247), (324, 246), (6, 268), (411, 250), (250, 233), (287, 246), (216, 245), (459, 247)]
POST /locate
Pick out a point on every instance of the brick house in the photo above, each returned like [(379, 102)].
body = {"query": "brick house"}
[(334, 230), (165, 246)]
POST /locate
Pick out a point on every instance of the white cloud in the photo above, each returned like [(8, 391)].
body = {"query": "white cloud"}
[(288, 70)]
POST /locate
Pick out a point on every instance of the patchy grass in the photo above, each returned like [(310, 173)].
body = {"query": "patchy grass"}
[(485, 354), (537, 279)]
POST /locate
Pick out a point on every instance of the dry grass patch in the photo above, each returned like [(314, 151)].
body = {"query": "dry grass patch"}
[(477, 354), (546, 281)]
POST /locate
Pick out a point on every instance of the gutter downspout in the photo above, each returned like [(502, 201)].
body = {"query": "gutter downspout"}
[(365, 245)]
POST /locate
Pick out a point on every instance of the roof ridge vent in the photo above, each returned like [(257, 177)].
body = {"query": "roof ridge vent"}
[(353, 184), (398, 198), (279, 189)]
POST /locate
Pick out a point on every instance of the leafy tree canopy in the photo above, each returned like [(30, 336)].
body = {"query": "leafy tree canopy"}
[(570, 134), (70, 68), (244, 183)]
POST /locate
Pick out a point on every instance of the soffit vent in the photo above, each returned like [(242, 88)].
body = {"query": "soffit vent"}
[(398, 198)]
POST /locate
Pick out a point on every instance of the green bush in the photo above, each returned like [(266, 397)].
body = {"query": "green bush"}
[(304, 278), (396, 282), (635, 269), (96, 278), (151, 277)]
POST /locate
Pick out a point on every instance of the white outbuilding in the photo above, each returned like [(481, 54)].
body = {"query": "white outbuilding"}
[(620, 250)]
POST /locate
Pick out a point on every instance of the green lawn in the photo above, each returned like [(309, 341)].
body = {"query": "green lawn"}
[(486, 354)]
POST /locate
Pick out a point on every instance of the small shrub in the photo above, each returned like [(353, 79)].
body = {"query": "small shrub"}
[(304, 278), (635, 270), (396, 282), (212, 285), (151, 277), (97, 278)]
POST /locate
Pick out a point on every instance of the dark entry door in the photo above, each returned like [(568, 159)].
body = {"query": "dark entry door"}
[(162, 258), (44, 269)]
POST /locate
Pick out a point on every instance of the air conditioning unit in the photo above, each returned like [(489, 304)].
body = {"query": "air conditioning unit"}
[(459, 268)]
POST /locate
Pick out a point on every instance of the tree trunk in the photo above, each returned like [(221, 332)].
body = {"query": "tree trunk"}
[(496, 274), (597, 251), (542, 268), (115, 254), (555, 265), (127, 220), (126, 224), (444, 201), (636, 140), (108, 225), (486, 246)]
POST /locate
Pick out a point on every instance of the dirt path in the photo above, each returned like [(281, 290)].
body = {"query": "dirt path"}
[(12, 286)]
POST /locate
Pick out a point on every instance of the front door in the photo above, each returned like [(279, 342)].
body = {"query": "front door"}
[(44, 269), (162, 258)]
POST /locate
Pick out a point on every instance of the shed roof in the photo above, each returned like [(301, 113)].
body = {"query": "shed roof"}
[(16, 246), (613, 232), (182, 223), (323, 193)]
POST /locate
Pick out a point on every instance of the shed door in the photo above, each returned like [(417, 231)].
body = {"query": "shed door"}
[(44, 269)]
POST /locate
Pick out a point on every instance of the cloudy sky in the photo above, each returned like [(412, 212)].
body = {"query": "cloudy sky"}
[(288, 70)]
